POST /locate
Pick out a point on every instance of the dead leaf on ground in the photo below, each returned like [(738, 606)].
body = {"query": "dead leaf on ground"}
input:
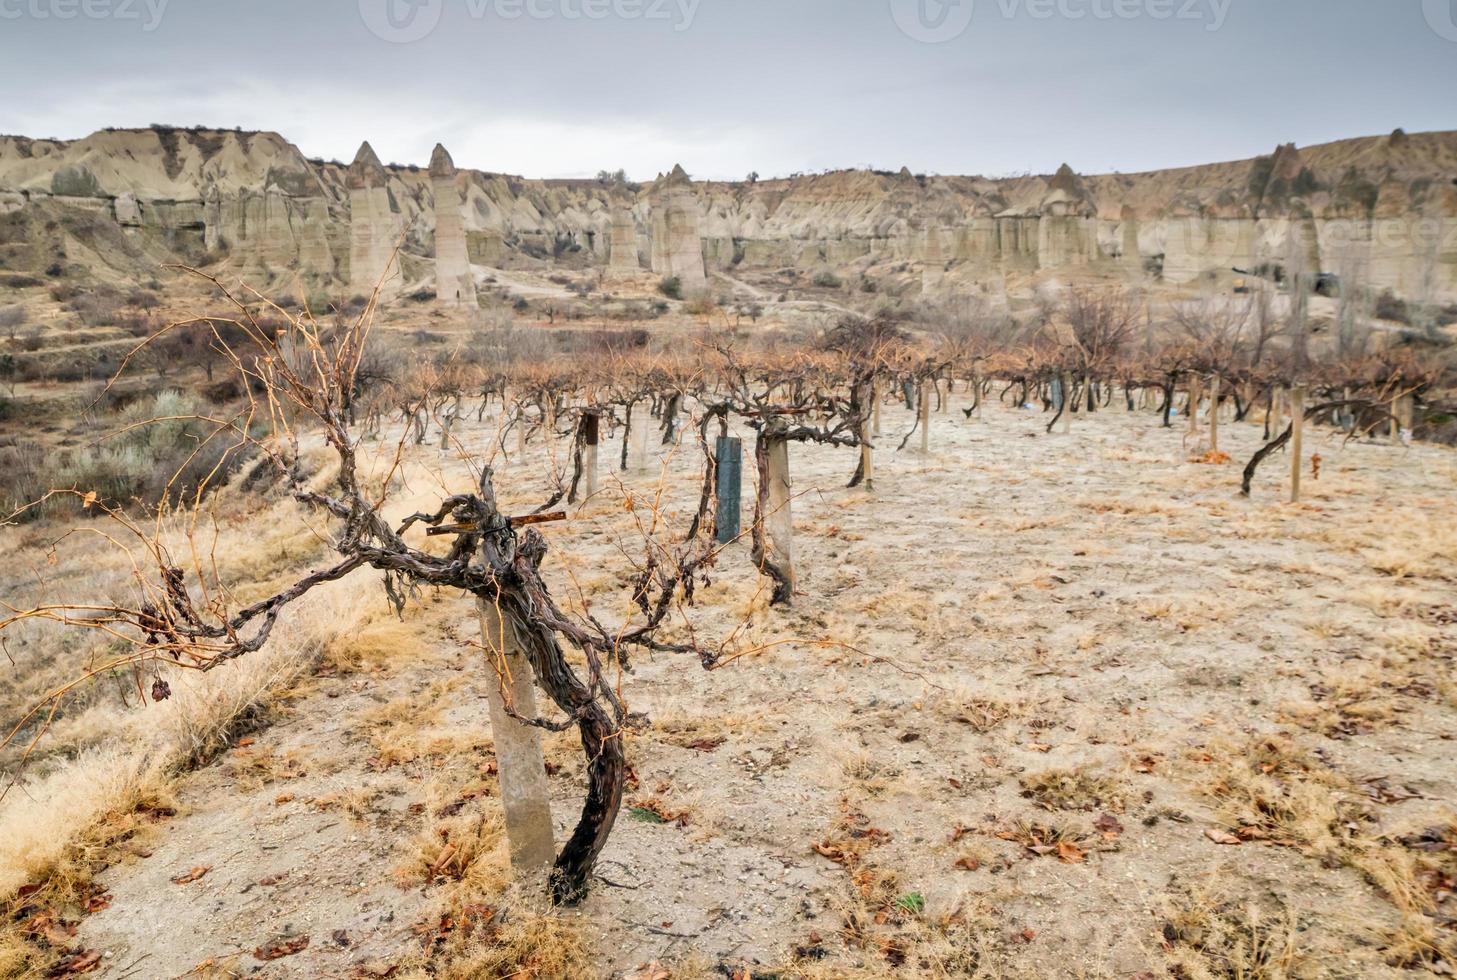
[(77, 963), (279, 948), (1070, 853), (375, 971), (1109, 825), (45, 925), (649, 971), (188, 877), (1223, 837)]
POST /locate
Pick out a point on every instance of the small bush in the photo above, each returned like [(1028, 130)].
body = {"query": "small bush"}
[(671, 287), (98, 309), (143, 299), (1390, 307), (22, 475), (135, 324), (700, 305), (147, 460), (828, 280), (15, 280)]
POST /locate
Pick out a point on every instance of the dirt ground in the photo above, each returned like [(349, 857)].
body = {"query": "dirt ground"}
[(1050, 706)]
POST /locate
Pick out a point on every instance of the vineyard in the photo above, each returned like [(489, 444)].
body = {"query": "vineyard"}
[(954, 645)]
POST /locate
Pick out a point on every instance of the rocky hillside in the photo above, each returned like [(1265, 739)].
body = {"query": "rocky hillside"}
[(1382, 210)]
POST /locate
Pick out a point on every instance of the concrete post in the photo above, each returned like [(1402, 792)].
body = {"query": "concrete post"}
[(1297, 441), (591, 437), (867, 454), (779, 521), (1214, 414), (926, 417), (640, 445), (525, 795)]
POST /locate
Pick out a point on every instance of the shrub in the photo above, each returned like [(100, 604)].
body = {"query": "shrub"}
[(15, 280), (22, 475), (1390, 307), (671, 287), (135, 324), (828, 280), (98, 309), (143, 299), (700, 305), (160, 450), (12, 318)]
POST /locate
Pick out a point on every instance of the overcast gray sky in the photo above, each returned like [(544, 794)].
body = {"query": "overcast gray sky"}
[(557, 88)]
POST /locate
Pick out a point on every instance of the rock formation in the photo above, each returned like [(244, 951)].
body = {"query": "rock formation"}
[(1067, 233), (677, 234), (622, 249), (933, 255), (1386, 207), (374, 227), (455, 284)]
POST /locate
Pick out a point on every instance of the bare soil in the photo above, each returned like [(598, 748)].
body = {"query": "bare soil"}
[(1227, 712)]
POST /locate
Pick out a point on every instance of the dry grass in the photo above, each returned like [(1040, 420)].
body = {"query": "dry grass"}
[(1211, 935), (981, 714), (1273, 791), (483, 927), (1075, 789), (61, 825), (520, 941)]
